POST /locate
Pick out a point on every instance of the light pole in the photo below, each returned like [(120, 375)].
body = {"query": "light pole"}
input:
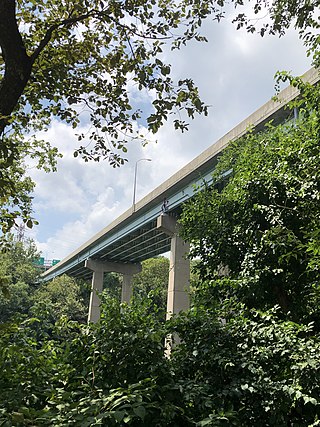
[(135, 181)]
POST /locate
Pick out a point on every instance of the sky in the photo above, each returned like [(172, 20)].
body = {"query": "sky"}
[(235, 75)]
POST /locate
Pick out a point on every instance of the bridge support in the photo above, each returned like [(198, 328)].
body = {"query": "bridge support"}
[(126, 292), (99, 268), (179, 273)]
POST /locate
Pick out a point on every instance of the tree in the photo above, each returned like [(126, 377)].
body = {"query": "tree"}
[(18, 278), (16, 187), (16, 302), (253, 369), (256, 370), (61, 296), (18, 262), (112, 284), (111, 373), (249, 345), (61, 59), (263, 226), (24, 294), (152, 282)]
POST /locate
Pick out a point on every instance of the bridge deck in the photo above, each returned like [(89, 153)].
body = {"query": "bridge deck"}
[(133, 236)]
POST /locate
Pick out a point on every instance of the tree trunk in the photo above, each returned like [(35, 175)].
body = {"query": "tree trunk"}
[(17, 63)]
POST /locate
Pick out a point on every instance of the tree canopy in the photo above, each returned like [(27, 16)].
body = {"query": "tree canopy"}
[(152, 282), (22, 293), (82, 62)]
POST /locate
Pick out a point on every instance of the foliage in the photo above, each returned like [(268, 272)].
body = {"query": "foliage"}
[(24, 294), (244, 358), (262, 228), (34, 365), (255, 234), (253, 367), (17, 262), (87, 54), (18, 276), (250, 344), (17, 154), (152, 282), (16, 302), (112, 373), (249, 351), (61, 296), (80, 63), (112, 284)]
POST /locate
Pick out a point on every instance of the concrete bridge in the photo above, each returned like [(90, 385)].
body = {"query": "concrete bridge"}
[(149, 228)]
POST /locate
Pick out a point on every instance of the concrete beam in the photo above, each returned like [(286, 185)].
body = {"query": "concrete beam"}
[(115, 267), (149, 207), (167, 224)]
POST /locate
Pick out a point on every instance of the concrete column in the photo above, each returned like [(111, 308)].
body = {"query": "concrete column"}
[(179, 277), (96, 288), (179, 273), (99, 268), (126, 293)]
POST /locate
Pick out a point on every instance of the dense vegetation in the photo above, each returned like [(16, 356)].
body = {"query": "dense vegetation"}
[(249, 352), (254, 340), (250, 349)]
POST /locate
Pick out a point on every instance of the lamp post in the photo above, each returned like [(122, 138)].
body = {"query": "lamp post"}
[(135, 181)]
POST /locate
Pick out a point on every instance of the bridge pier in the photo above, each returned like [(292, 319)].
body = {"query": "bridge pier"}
[(99, 268), (96, 288), (179, 272), (126, 291)]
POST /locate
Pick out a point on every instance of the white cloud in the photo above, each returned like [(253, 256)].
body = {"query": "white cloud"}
[(234, 72)]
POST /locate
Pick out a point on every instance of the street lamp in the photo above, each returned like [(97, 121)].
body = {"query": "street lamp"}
[(135, 181)]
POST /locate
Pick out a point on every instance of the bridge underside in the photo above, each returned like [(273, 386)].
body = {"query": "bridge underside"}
[(141, 244), (158, 237)]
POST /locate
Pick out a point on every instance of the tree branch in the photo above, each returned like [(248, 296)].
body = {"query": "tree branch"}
[(47, 37)]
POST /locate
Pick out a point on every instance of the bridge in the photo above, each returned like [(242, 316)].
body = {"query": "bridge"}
[(149, 228)]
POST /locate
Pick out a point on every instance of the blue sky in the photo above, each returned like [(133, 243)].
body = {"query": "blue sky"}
[(234, 72)]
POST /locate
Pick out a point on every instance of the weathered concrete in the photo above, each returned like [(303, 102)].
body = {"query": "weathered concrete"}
[(99, 268), (126, 292), (179, 277), (179, 272), (96, 289)]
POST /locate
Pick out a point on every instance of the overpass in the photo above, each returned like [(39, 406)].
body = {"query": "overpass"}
[(149, 228)]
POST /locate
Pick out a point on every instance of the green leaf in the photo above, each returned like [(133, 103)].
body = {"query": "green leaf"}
[(140, 411)]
